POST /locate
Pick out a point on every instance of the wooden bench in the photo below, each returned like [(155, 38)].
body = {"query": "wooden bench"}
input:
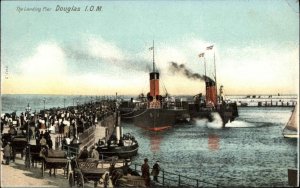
[(87, 170), (89, 167)]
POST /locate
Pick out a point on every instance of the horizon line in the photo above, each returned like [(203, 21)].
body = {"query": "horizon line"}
[(283, 94)]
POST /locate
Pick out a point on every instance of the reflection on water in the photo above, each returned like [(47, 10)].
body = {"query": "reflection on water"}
[(155, 140), (213, 142)]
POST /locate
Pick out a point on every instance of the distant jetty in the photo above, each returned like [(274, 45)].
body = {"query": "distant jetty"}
[(264, 100)]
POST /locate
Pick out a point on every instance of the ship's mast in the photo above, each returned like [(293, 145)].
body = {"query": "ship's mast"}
[(204, 69), (153, 66), (154, 77), (215, 74), (153, 58), (211, 84)]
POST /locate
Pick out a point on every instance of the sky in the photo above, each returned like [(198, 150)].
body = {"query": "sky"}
[(46, 49)]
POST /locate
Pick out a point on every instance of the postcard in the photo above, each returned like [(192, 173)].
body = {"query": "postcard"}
[(163, 93)]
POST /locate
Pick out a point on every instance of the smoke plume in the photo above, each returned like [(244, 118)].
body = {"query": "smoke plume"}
[(182, 69), (97, 52)]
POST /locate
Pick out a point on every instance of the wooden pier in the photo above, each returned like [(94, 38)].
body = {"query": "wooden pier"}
[(263, 101)]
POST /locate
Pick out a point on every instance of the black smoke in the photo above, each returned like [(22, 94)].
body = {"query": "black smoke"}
[(91, 62), (176, 68)]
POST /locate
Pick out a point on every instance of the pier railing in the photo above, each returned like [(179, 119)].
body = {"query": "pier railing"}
[(172, 179), (71, 150)]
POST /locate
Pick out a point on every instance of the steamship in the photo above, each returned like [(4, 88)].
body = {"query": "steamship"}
[(153, 112), (212, 103), (204, 107)]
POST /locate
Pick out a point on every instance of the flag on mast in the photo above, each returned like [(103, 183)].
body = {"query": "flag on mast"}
[(201, 55), (210, 47), (151, 48)]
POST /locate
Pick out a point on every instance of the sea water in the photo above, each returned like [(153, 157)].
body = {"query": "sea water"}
[(250, 151)]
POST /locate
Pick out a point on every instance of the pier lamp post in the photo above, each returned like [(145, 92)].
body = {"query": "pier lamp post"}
[(46, 118), (27, 161), (44, 100), (64, 103), (28, 109), (76, 133)]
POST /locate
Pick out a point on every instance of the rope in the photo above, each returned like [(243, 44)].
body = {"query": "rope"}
[(136, 115), (126, 113), (167, 94)]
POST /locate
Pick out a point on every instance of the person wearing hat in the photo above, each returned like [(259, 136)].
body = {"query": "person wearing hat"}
[(155, 171), (84, 154), (95, 153), (2, 125), (145, 172), (7, 153), (43, 142), (12, 130)]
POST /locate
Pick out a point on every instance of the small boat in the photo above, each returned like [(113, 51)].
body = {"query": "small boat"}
[(292, 126), (124, 149), (124, 146)]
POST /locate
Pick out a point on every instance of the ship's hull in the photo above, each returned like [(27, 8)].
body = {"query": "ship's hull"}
[(290, 135), (127, 114), (227, 112), (126, 109), (158, 119)]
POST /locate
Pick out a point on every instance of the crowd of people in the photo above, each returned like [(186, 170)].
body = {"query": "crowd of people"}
[(64, 121), (85, 154), (68, 122)]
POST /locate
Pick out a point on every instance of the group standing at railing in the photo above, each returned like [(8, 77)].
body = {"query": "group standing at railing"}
[(146, 172), (167, 178)]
